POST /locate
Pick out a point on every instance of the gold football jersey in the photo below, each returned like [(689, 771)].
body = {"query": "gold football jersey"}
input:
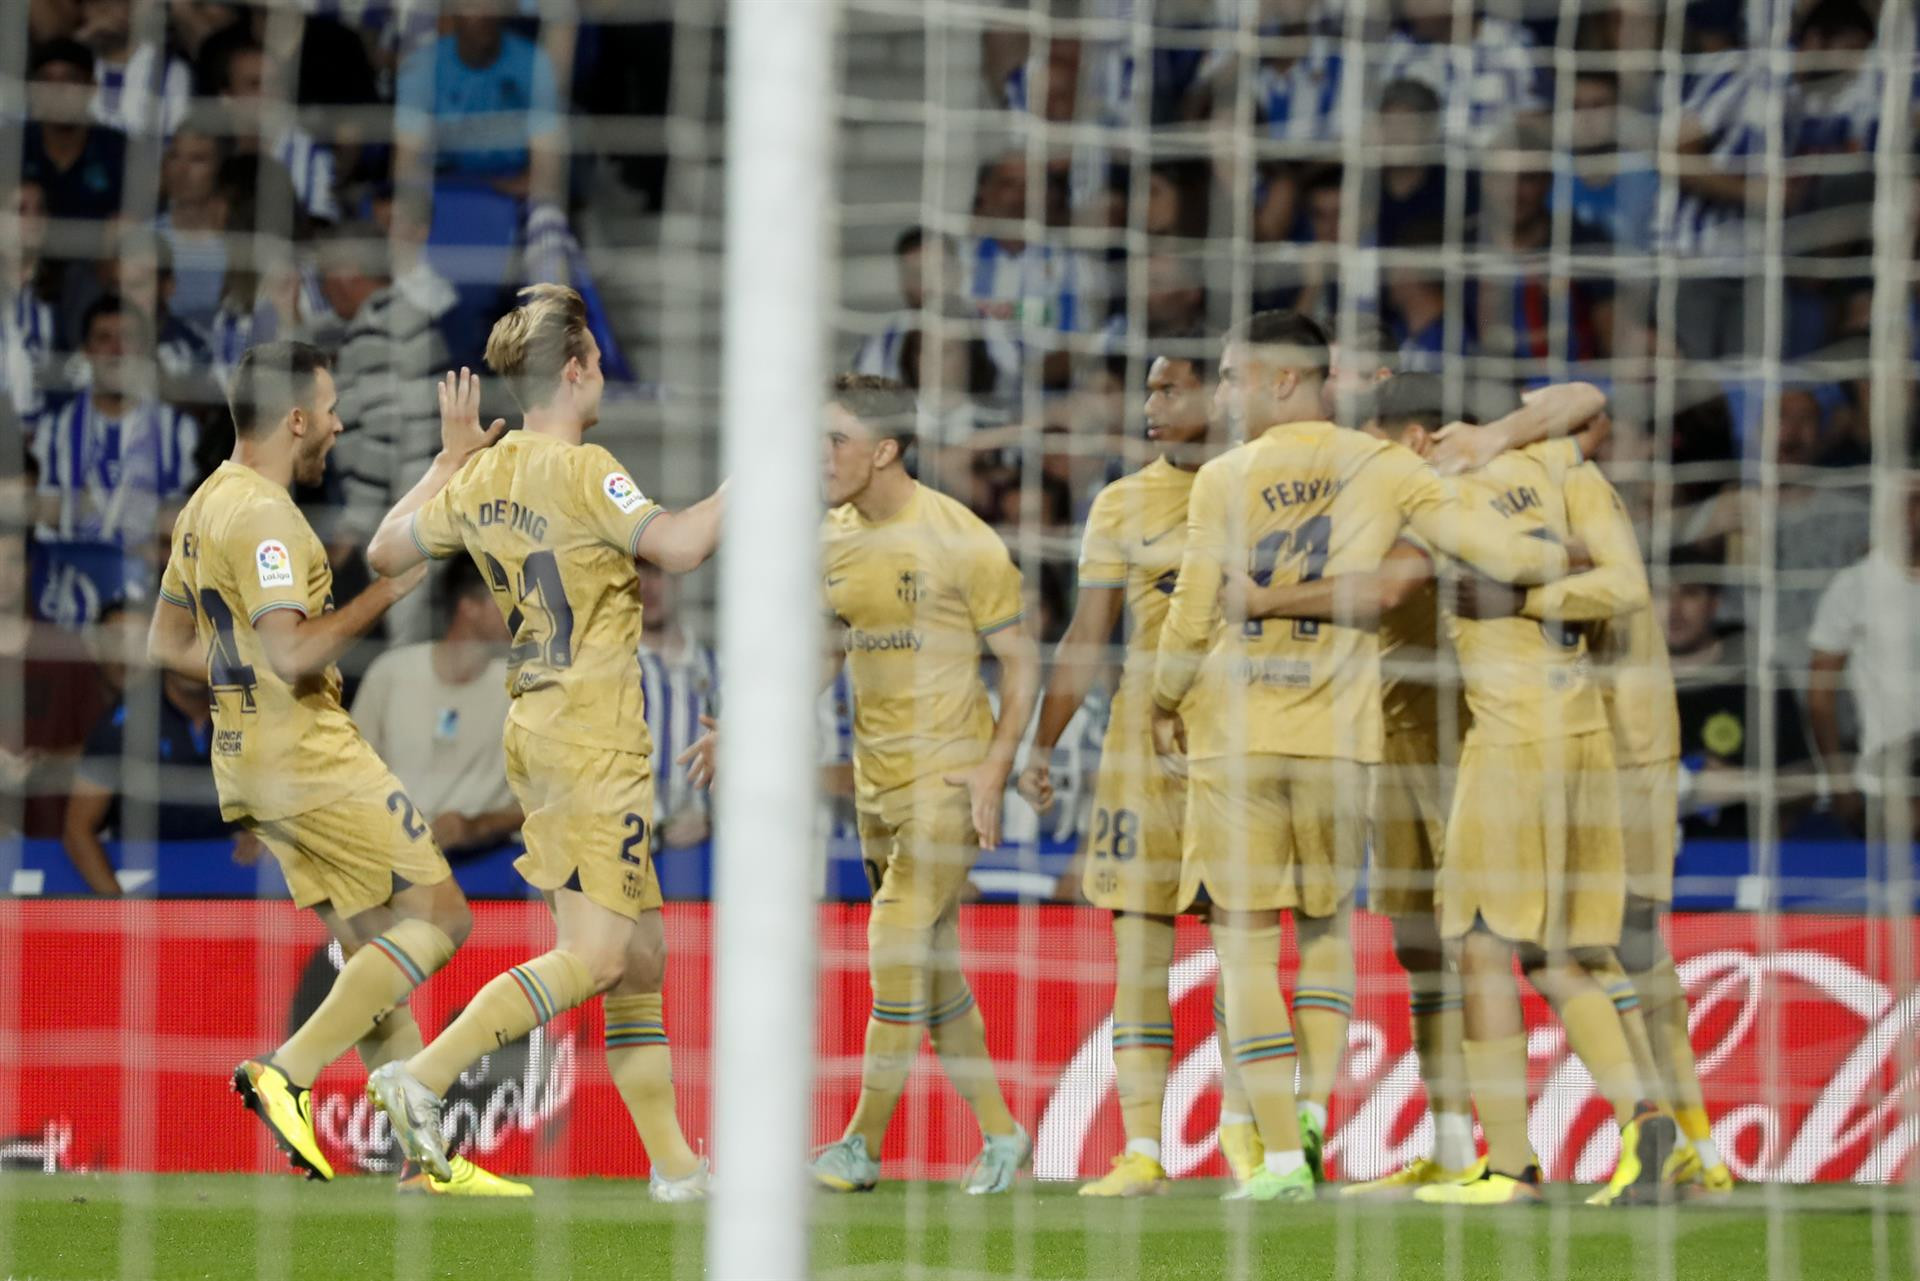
[(1527, 679), (1413, 663), (1629, 649), (555, 528), (912, 596), (1300, 502), (242, 550), (1136, 532)]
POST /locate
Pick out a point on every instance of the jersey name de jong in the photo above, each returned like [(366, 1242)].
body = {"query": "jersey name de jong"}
[(555, 529)]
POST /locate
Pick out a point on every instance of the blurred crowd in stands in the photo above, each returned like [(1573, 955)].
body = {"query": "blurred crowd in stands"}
[(1625, 192)]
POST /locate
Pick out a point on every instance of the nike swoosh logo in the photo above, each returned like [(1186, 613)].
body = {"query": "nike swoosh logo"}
[(1148, 542)]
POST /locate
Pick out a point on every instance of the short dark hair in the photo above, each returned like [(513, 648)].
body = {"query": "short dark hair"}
[(885, 405), (1832, 18), (1410, 95), (104, 305), (271, 381), (1203, 366), (460, 580), (219, 50), (909, 240), (64, 50), (1409, 400), (1286, 329)]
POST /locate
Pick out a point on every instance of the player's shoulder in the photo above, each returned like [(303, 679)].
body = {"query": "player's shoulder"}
[(947, 515)]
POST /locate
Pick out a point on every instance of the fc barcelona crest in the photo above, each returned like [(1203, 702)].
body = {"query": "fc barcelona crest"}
[(908, 586)]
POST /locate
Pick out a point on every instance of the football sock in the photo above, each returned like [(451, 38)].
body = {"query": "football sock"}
[(1259, 1036), (897, 956), (960, 1039), (374, 980), (1323, 999), (1234, 1108), (1453, 1146), (1142, 1022), (1594, 1033), (1498, 1072), (1633, 1025), (1285, 1163), (1663, 1003), (641, 1065), (1438, 1028), (511, 1005), (396, 1036)]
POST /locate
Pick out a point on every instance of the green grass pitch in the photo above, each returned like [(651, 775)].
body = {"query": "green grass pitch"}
[(244, 1226)]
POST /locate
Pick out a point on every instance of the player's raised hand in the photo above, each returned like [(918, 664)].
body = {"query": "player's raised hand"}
[(700, 758), (461, 435), (986, 785), (1458, 447), (1036, 785)]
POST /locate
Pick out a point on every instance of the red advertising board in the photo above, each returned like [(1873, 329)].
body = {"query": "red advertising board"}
[(120, 1024)]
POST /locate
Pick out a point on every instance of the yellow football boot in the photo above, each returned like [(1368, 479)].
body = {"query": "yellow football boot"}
[(1716, 1179), (468, 1180), (1240, 1144), (1491, 1188), (1133, 1174), (1422, 1172), (287, 1110), (1646, 1148)]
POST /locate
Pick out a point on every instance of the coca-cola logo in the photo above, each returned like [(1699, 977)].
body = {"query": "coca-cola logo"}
[(1811, 1042)]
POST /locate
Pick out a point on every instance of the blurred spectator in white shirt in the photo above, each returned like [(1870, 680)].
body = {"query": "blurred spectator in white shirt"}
[(435, 712), (681, 678)]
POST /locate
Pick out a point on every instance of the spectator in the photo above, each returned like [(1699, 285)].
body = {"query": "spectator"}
[(140, 271), (27, 336), (77, 165), (880, 354), (146, 775), (264, 123), (1416, 304), (142, 88), (1611, 180), (1820, 526), (110, 456), (681, 678), (1521, 300), (1175, 306), (435, 711), (1312, 283), (1720, 757), (1296, 93), (1024, 291), (1482, 92), (1177, 198), (479, 103), (50, 695), (1412, 196), (389, 352), (194, 215), (1833, 111), (1867, 628), (1715, 175)]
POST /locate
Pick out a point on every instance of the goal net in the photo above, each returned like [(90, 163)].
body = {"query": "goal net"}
[(1033, 216)]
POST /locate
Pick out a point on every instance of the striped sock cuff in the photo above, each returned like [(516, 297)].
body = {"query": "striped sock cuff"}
[(1434, 1002), (635, 1035), (535, 990), (1323, 998), (391, 950), (952, 1008), (1623, 996), (1256, 1049), (1142, 1036), (899, 1011)]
